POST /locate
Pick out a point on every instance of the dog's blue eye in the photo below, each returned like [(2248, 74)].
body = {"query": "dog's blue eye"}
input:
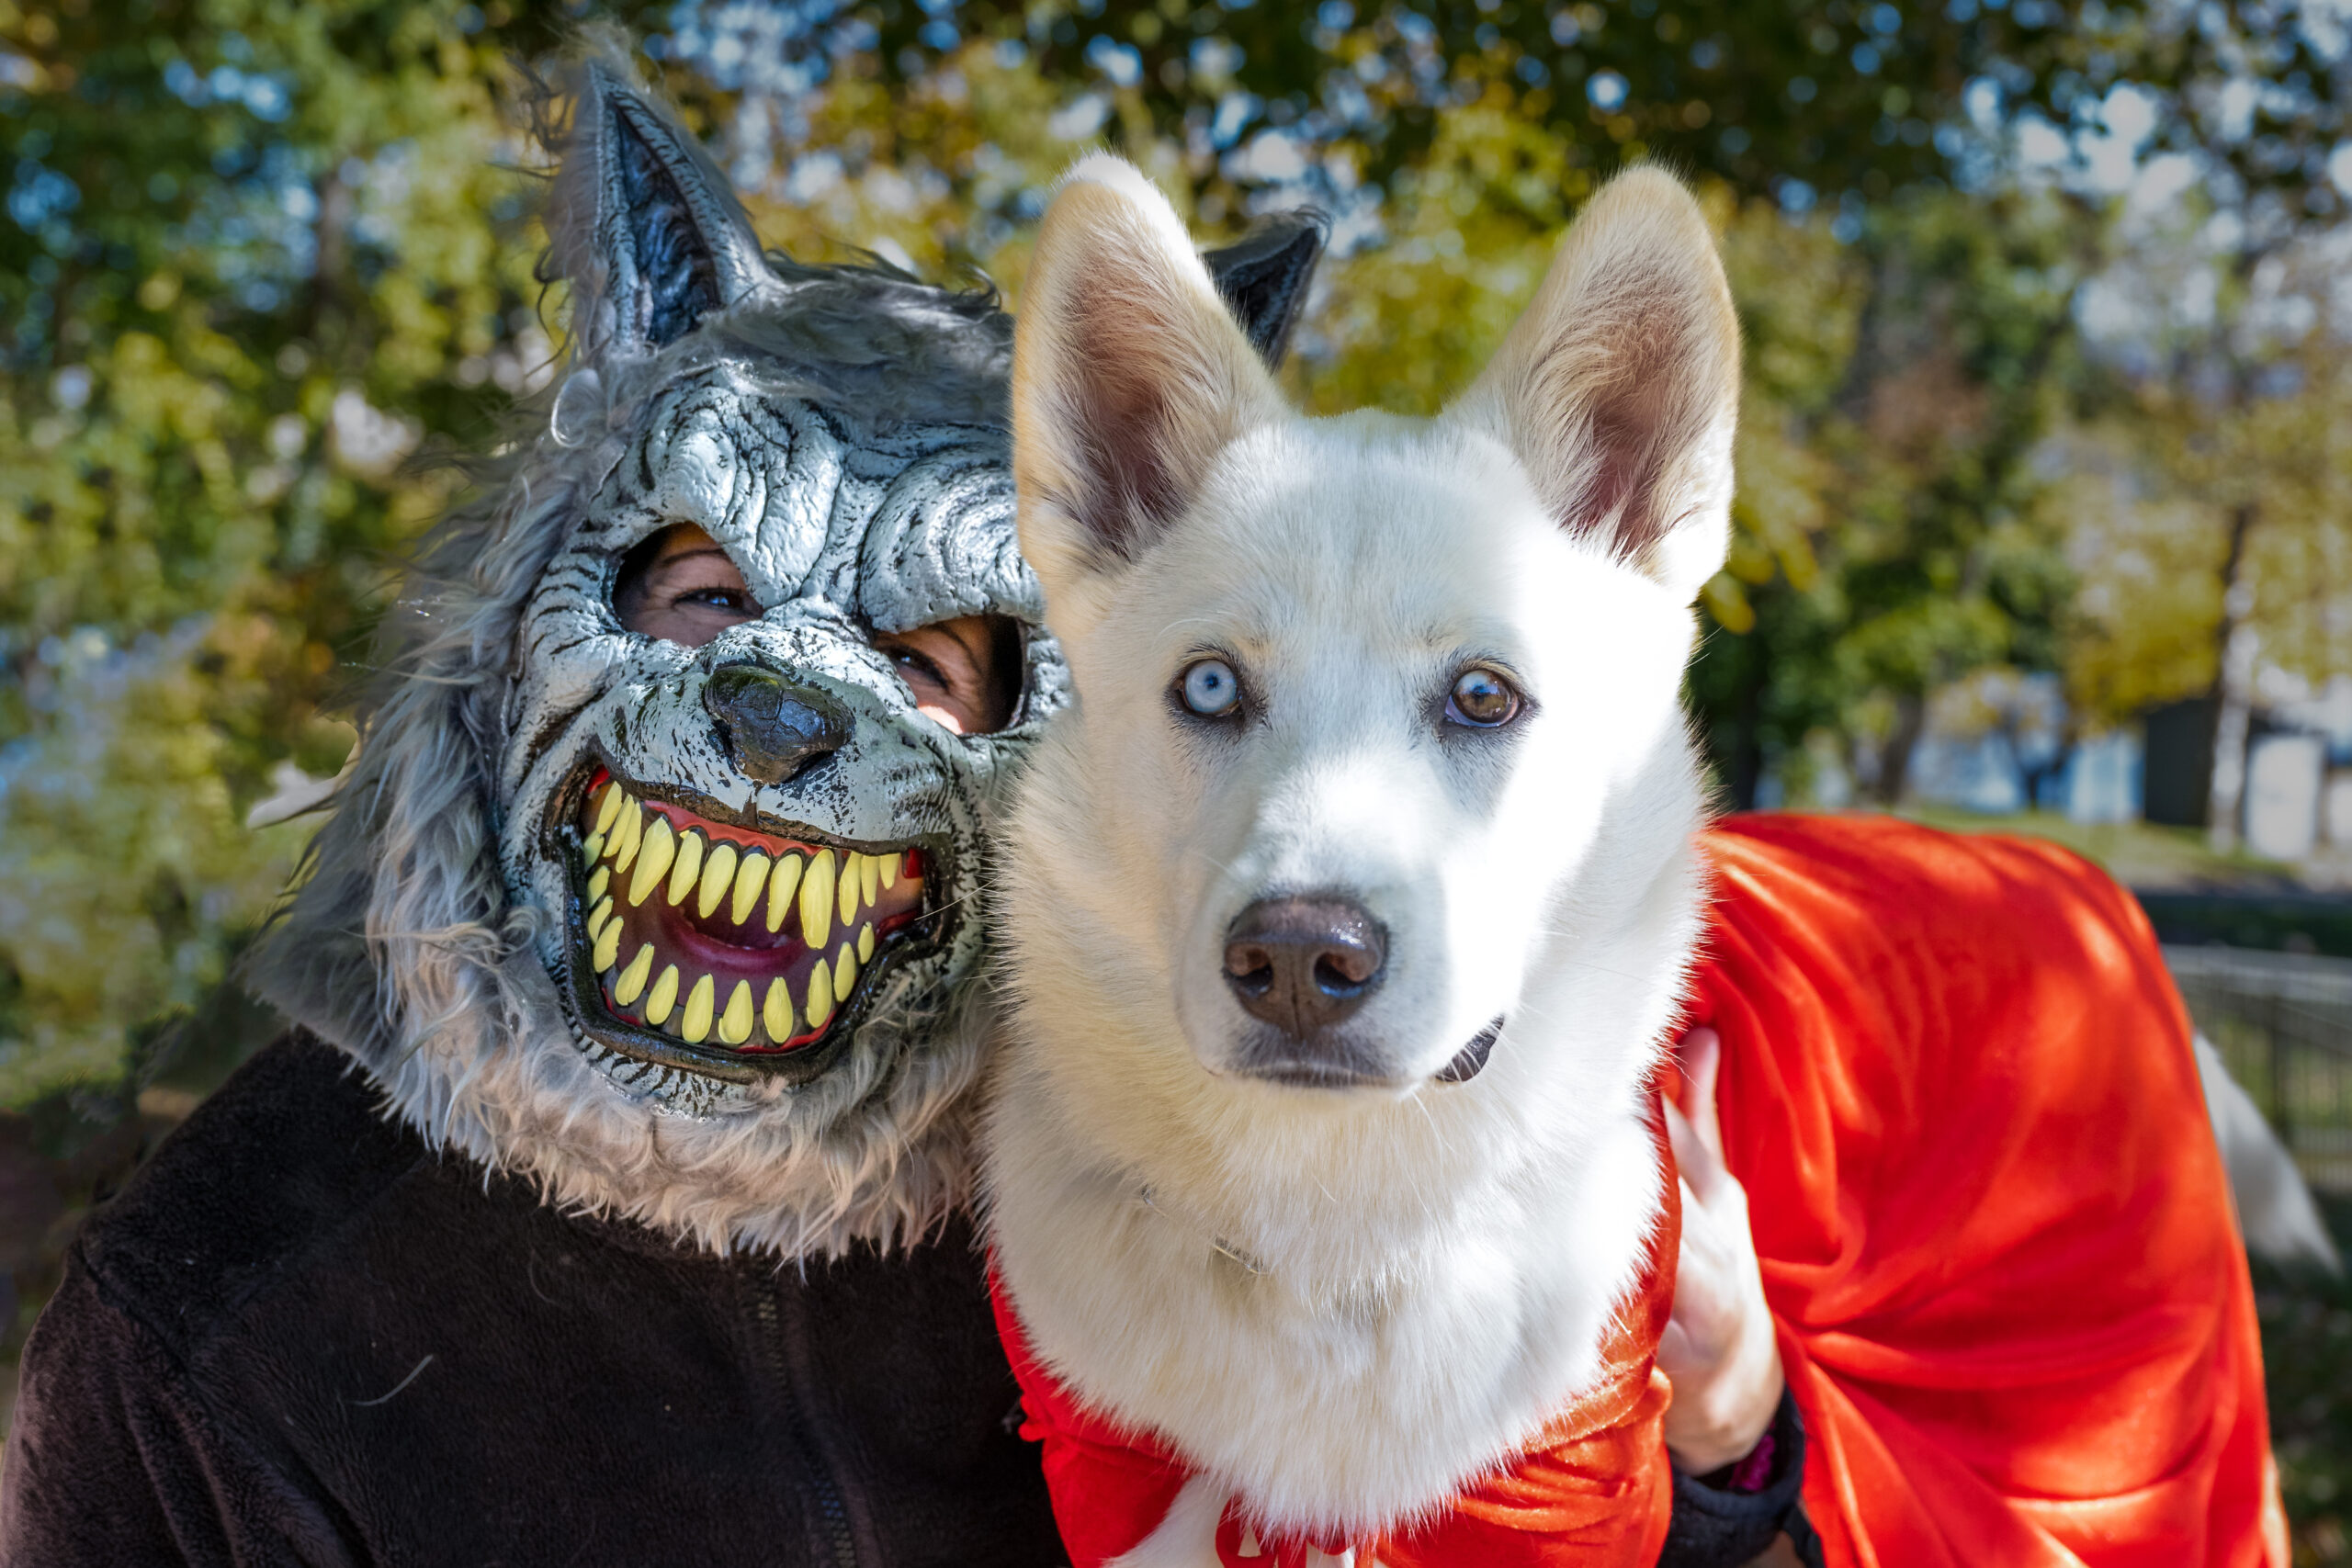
[(1211, 689), (1482, 699)]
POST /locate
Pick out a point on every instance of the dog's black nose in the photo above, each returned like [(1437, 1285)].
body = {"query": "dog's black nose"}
[(772, 727), (1303, 964)]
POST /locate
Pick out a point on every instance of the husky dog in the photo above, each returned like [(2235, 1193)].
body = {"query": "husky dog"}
[(1335, 1027)]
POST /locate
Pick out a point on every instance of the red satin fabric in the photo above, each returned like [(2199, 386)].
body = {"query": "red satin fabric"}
[(1592, 1490), (1995, 1235)]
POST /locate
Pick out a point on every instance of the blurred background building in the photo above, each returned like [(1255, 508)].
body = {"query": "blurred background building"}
[(2045, 466)]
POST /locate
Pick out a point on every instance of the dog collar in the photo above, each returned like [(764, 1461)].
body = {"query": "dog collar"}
[(1218, 1244)]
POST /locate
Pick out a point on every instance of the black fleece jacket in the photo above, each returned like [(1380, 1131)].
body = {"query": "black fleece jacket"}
[(301, 1336)]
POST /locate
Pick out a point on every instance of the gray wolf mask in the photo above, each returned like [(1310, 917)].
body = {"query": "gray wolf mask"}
[(689, 934)]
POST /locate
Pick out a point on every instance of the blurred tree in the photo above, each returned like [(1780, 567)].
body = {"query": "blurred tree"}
[(256, 253), (1934, 561), (1846, 101)]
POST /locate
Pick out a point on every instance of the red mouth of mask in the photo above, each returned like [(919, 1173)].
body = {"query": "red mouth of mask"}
[(718, 934)]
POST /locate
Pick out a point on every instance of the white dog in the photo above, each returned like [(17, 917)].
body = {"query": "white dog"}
[(1322, 1150)]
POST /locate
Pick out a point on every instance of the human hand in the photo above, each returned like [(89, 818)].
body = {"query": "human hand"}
[(1718, 1347)]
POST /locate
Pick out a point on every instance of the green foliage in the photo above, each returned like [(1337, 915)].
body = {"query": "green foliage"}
[(1852, 100), (1901, 405), (258, 253), (126, 863)]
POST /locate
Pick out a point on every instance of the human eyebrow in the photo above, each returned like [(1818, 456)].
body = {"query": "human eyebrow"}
[(695, 553)]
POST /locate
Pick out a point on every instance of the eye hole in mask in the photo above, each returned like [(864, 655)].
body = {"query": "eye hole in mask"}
[(681, 586)]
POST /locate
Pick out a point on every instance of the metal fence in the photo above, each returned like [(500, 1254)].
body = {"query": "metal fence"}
[(2283, 1022)]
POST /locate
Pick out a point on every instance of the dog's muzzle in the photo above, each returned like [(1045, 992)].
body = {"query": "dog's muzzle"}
[(1302, 966)]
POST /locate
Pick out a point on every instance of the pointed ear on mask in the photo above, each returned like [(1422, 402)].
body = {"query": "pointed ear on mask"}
[(1129, 375), (1619, 388), (1263, 278), (647, 227)]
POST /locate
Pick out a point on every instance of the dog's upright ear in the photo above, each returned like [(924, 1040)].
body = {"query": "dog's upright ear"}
[(1619, 388), (1129, 375), (643, 225)]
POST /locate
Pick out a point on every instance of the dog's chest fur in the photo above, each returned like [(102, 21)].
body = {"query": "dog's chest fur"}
[(1326, 1402)]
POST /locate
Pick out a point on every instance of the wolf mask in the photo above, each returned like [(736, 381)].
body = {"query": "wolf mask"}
[(689, 933)]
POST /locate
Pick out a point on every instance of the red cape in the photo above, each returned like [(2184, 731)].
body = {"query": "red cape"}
[(1996, 1234), (1995, 1237)]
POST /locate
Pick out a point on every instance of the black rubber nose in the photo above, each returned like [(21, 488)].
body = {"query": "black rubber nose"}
[(1303, 964), (772, 727)]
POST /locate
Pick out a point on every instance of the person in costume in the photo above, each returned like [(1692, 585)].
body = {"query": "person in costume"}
[(607, 1204)]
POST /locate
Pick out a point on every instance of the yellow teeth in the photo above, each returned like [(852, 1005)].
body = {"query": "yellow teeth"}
[(653, 858), (631, 985), (781, 883), (664, 996), (632, 848), (694, 1025), (718, 876), (820, 995), (852, 877), (688, 869), (816, 899), (735, 1023), (751, 880), (623, 840)]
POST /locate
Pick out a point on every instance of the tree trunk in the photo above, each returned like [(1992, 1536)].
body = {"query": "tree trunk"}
[(2236, 644), (328, 258), (1894, 757)]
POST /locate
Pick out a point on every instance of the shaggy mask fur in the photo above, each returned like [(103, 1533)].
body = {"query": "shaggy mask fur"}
[(840, 432)]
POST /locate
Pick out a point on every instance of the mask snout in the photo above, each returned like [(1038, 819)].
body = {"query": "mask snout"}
[(774, 727)]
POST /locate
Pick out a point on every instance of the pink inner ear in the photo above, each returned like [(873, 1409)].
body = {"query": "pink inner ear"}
[(1644, 408), (1121, 415), (1621, 495)]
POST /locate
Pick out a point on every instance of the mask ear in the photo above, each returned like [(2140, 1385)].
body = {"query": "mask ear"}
[(1129, 375), (1619, 388), (647, 230), (1263, 278)]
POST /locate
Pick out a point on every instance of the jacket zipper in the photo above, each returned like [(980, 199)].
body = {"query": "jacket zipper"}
[(833, 1513)]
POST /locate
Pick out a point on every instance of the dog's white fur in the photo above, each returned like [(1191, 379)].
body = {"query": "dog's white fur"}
[(1344, 1303)]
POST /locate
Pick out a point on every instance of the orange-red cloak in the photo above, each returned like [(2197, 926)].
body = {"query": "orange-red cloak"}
[(2013, 1306)]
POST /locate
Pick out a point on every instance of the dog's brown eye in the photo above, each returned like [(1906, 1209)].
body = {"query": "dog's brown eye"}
[(1482, 699)]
